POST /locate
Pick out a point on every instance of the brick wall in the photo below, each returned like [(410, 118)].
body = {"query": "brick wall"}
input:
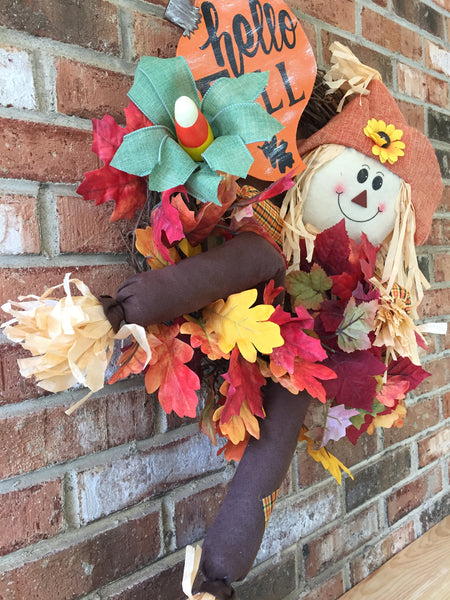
[(100, 505)]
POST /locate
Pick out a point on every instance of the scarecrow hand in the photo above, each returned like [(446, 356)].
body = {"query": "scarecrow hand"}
[(157, 296)]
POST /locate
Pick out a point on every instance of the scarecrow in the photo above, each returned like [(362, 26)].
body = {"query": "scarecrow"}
[(337, 328)]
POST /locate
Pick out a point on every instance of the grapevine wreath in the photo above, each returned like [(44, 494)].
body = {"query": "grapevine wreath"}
[(212, 301)]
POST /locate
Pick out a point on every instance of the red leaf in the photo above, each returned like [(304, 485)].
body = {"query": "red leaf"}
[(198, 226), (407, 370), (167, 371), (306, 375), (277, 187), (166, 225), (296, 342), (332, 250), (135, 118), (245, 381), (129, 192), (132, 361), (355, 386), (367, 256), (271, 292), (393, 390)]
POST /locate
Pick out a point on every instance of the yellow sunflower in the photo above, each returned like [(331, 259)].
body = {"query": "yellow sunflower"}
[(388, 146)]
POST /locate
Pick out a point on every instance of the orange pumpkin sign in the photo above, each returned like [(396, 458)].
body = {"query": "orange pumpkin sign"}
[(243, 36)]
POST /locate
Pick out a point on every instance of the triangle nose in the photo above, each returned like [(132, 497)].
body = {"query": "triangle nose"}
[(361, 199)]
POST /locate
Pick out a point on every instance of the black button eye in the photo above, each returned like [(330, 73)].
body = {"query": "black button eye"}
[(377, 182), (362, 176)]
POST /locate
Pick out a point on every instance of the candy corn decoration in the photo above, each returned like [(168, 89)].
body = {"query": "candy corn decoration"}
[(193, 130)]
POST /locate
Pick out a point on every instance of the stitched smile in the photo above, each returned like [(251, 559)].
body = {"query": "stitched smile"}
[(339, 194)]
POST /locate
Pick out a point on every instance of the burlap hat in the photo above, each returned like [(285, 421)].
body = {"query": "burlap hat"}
[(418, 166)]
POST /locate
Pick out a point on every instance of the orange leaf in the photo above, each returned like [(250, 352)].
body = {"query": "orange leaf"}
[(200, 338), (167, 372), (146, 247)]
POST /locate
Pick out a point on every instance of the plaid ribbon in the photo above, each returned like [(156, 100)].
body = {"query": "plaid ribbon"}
[(398, 291), (268, 503), (268, 216)]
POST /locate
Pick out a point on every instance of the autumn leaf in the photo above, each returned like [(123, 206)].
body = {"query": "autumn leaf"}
[(132, 361), (129, 192), (406, 369), (243, 383), (145, 246), (234, 322), (237, 426), (353, 331), (328, 461), (355, 385), (200, 338), (166, 225), (338, 419), (135, 118), (234, 451), (393, 390), (296, 341), (305, 376), (332, 250), (167, 372), (308, 289), (271, 292)]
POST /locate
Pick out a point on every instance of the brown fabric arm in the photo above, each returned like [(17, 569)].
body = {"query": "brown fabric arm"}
[(157, 296)]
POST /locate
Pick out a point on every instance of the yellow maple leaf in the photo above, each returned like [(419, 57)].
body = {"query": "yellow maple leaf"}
[(234, 322), (328, 460), (145, 246)]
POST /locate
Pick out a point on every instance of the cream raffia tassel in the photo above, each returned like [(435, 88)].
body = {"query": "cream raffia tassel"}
[(191, 564), (348, 73), (70, 339)]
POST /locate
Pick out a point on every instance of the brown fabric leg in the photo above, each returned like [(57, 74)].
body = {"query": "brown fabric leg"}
[(234, 538), (157, 296)]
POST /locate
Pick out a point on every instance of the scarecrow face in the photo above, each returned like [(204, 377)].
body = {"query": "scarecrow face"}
[(357, 188)]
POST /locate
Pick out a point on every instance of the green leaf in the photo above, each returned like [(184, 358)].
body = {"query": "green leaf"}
[(352, 333), (158, 83), (358, 420), (229, 154), (227, 91), (174, 167), (140, 150), (308, 289), (249, 121), (203, 184)]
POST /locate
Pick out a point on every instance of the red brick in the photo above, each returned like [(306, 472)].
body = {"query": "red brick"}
[(440, 376), (341, 14), (329, 590), (155, 37), (437, 91), (195, 513), (390, 35), (44, 152), (383, 3), (434, 447), (437, 235), (413, 113), (372, 558), (84, 227), (77, 567), (446, 401), (413, 494), (419, 418), (444, 204), (163, 583), (91, 23), (332, 546), (434, 303), (268, 581), (437, 58), (90, 92), (101, 279), (30, 515), (19, 231), (14, 387), (45, 437), (441, 267)]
